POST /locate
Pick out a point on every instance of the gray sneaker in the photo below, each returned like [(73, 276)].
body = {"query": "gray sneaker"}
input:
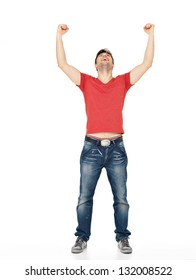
[(79, 246), (124, 246)]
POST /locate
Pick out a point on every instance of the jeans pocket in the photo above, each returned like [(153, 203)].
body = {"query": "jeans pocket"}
[(86, 148), (119, 155), (122, 147), (90, 152)]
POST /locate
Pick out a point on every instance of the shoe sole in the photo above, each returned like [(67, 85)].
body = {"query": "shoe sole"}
[(78, 251), (125, 251)]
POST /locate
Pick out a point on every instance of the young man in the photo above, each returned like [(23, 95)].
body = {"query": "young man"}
[(103, 146)]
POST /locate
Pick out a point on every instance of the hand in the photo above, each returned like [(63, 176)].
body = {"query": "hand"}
[(149, 28), (62, 29)]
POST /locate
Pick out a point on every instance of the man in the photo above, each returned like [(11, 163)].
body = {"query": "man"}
[(103, 146)]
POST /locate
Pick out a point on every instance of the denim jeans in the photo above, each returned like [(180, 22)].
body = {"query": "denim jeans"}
[(93, 159)]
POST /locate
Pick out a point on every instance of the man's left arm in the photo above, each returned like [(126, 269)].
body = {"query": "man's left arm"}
[(137, 72)]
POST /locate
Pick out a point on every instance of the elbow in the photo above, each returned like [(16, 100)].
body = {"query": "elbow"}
[(148, 65), (148, 61), (60, 65)]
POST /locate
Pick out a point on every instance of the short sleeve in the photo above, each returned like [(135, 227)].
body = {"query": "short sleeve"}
[(128, 83), (82, 82)]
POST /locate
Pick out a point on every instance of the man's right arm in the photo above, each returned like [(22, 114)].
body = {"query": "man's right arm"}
[(69, 70)]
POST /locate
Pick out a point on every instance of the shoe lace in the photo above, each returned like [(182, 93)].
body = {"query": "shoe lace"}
[(79, 242), (125, 242)]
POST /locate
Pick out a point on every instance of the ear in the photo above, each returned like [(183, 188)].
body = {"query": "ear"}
[(96, 67)]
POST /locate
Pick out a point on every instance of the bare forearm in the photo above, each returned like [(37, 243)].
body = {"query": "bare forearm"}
[(60, 52), (149, 52)]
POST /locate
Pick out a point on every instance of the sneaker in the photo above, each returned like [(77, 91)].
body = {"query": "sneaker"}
[(79, 246), (124, 246)]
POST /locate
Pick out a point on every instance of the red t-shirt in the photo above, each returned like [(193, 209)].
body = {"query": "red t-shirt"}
[(104, 102)]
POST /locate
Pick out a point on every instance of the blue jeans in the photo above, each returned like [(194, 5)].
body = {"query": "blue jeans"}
[(114, 160)]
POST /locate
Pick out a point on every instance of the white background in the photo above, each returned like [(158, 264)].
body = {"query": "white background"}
[(42, 127)]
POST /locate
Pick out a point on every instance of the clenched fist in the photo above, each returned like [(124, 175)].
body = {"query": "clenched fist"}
[(62, 29), (149, 28)]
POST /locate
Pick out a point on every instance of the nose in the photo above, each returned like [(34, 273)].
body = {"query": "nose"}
[(104, 55)]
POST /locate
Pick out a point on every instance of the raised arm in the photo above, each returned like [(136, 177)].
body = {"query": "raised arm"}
[(137, 72), (69, 70)]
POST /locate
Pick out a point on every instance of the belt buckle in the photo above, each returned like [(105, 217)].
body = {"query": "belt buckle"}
[(105, 143)]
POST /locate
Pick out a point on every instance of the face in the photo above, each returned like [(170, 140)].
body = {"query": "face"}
[(104, 60)]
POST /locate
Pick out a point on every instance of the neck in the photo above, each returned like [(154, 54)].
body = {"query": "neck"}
[(104, 76)]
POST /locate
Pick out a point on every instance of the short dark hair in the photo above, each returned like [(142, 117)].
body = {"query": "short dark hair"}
[(104, 51)]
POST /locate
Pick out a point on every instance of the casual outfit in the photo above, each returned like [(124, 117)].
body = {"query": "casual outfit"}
[(104, 105), (104, 102)]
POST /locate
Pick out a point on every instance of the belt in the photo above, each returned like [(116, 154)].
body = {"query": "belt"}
[(104, 142)]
